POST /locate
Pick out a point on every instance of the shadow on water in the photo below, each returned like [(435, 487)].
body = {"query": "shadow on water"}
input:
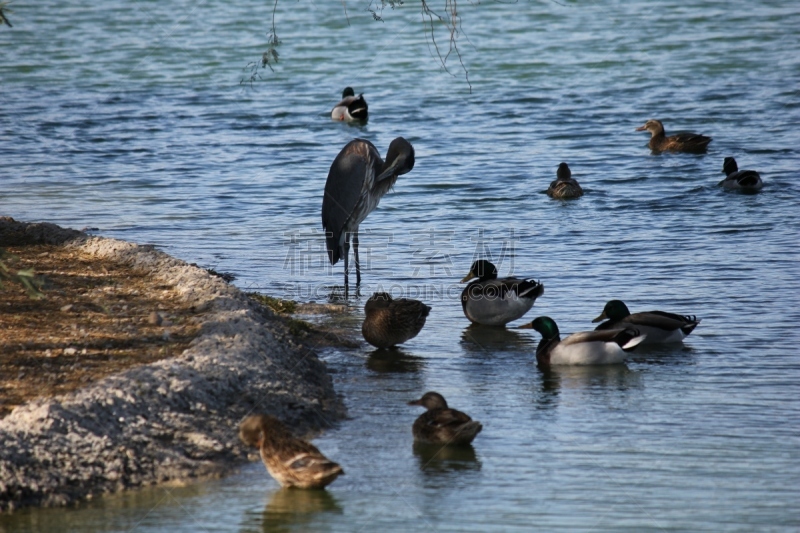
[(435, 459), (486, 340), (393, 361), (289, 508)]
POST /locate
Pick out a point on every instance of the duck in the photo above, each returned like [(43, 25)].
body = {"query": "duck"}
[(740, 180), (564, 186), (351, 108), (442, 425), (659, 326), (291, 461), (606, 347), (496, 302), (679, 142), (389, 322)]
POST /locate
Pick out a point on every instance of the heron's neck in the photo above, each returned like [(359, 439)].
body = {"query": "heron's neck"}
[(385, 184)]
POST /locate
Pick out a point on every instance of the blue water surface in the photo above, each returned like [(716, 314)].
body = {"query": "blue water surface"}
[(130, 117)]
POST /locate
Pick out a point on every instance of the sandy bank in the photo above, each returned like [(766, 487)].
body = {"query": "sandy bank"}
[(166, 421)]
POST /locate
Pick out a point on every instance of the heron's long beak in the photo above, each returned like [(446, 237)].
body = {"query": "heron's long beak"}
[(468, 277), (529, 325), (600, 318), (391, 171), (641, 128)]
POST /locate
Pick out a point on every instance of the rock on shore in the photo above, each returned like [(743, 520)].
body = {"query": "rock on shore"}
[(170, 420)]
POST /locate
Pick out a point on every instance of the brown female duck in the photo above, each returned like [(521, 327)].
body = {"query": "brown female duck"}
[(291, 461), (442, 425), (678, 142), (564, 187), (740, 180), (389, 322)]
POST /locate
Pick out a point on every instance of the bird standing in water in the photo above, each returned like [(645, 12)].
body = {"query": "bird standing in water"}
[(389, 322), (357, 181), (291, 461)]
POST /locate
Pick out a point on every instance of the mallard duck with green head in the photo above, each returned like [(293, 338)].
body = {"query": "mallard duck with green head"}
[(351, 108), (389, 322), (740, 180), (565, 186), (442, 425), (291, 461), (659, 326), (605, 347), (683, 141), (494, 301)]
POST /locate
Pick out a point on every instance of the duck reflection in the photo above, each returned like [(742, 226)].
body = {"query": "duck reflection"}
[(394, 360), (289, 508), (556, 380), (547, 397), (436, 459), (662, 354), (485, 340)]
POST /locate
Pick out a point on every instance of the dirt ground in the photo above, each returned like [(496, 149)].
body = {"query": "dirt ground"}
[(97, 318)]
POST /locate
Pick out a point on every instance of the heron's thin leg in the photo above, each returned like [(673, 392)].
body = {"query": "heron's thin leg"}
[(346, 261), (358, 262)]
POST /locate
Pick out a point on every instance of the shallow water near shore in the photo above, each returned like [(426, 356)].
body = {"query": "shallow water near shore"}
[(129, 118)]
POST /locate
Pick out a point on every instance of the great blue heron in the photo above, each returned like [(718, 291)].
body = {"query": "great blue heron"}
[(351, 108), (357, 180)]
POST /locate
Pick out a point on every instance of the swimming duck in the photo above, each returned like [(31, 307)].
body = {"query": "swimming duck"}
[(442, 425), (606, 347), (678, 142), (659, 326), (740, 180), (291, 461), (564, 186), (351, 108), (389, 322), (496, 302)]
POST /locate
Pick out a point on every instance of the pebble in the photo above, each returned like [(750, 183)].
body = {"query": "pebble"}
[(155, 318)]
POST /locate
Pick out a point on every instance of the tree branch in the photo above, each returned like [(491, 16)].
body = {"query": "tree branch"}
[(430, 18)]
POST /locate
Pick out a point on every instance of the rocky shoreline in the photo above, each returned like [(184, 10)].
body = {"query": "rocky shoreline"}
[(171, 420)]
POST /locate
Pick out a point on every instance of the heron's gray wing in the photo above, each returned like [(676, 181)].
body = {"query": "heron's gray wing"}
[(344, 187)]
